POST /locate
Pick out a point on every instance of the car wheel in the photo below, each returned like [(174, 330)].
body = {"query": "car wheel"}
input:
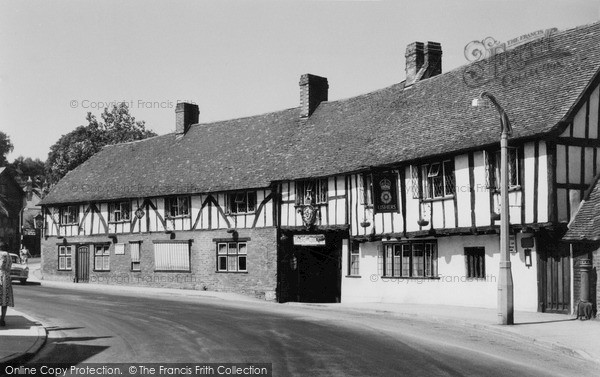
[(23, 281)]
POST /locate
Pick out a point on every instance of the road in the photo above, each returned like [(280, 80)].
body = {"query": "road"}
[(111, 327)]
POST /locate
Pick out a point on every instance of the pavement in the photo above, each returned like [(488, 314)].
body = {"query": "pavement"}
[(24, 336)]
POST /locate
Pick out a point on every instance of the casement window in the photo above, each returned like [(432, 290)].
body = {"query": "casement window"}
[(354, 259), (475, 262), (366, 190), (101, 258), (177, 206), (493, 172), (409, 259), (172, 256), (134, 249), (232, 256), (312, 192), (69, 215), (118, 212), (241, 202), (65, 258), (438, 180)]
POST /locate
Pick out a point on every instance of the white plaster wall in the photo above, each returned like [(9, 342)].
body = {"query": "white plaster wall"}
[(452, 287)]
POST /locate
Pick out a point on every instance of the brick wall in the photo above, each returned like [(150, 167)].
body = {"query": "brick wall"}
[(260, 280)]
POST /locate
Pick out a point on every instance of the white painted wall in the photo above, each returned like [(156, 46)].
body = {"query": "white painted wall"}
[(452, 287)]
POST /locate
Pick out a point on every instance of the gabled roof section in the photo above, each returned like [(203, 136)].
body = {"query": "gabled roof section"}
[(585, 226), (538, 84)]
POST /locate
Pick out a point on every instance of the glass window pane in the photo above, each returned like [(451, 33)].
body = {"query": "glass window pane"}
[(222, 248), (251, 201), (242, 263), (388, 260), (232, 263), (232, 248), (418, 259), (222, 263), (406, 260), (242, 248), (68, 263)]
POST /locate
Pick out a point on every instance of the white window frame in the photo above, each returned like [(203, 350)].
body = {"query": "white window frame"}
[(401, 259), (69, 215), (229, 255), (441, 170), (65, 257), (119, 212), (102, 258)]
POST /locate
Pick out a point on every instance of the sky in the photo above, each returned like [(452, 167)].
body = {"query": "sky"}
[(60, 60)]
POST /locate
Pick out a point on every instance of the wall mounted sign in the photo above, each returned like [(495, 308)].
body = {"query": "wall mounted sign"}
[(385, 193), (309, 239)]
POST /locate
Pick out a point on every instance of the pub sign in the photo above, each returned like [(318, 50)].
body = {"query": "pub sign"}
[(385, 193)]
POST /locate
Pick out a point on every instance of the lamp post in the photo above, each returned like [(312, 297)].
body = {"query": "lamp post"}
[(505, 281)]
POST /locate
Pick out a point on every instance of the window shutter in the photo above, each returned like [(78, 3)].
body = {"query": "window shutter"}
[(135, 251)]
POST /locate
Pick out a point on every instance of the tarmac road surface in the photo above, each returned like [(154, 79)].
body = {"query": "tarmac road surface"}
[(93, 326)]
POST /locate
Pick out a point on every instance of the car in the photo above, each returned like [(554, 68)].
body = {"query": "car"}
[(18, 270)]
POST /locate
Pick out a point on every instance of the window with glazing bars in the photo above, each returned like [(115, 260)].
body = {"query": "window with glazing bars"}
[(438, 179), (118, 211), (409, 259), (354, 259), (232, 257), (177, 206), (311, 192)]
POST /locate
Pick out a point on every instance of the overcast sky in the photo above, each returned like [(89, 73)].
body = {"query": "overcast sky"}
[(61, 59)]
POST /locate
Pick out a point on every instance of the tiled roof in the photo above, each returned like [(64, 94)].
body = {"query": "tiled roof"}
[(385, 127), (585, 226)]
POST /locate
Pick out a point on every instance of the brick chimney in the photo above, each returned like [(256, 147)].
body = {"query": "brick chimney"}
[(313, 91), (186, 114), (422, 61)]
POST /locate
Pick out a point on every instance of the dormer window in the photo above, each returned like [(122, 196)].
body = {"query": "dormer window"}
[(241, 202)]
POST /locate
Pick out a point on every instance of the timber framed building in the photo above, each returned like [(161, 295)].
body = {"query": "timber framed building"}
[(388, 196)]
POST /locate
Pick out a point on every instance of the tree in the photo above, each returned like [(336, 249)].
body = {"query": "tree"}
[(28, 167), (5, 148), (74, 148)]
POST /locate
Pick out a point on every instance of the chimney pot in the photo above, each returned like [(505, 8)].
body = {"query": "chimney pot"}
[(313, 90), (186, 114)]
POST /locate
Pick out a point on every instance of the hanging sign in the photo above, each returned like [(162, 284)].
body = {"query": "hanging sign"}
[(385, 193)]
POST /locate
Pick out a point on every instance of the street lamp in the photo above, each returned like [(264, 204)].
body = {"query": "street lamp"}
[(505, 281)]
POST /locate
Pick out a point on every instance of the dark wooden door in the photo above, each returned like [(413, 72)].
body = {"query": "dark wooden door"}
[(83, 264), (554, 278)]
